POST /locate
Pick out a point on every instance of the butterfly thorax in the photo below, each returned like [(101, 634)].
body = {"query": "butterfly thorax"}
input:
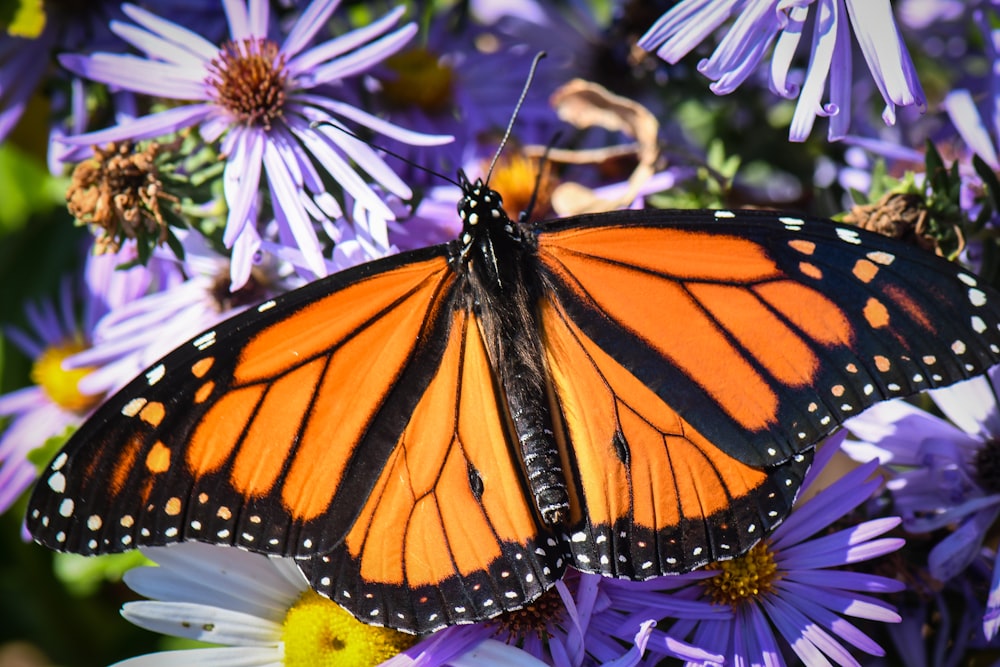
[(498, 256)]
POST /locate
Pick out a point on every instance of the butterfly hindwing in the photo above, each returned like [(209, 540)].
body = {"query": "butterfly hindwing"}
[(449, 534), (696, 360)]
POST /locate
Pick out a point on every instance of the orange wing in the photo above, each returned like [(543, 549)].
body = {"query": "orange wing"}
[(449, 533), (695, 362), (357, 418)]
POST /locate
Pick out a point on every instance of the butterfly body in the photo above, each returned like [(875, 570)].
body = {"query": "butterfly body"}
[(437, 435), (497, 259)]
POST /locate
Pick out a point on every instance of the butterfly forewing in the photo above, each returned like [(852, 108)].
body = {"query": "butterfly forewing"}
[(696, 360), (247, 433)]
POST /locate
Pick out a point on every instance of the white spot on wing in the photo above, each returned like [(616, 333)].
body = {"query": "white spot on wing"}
[(848, 235), (57, 482), (205, 341), (155, 374)]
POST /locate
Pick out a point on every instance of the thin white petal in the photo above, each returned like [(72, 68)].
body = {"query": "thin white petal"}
[(210, 657), (970, 405), (241, 180), (157, 47), (334, 47), (965, 117), (285, 194), (375, 123), (177, 34), (140, 75), (784, 52), (810, 102), (202, 622), (145, 127), (309, 22), (361, 59), (260, 12), (239, 21)]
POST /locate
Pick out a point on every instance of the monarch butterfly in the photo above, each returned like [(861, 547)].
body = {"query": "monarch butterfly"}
[(438, 435)]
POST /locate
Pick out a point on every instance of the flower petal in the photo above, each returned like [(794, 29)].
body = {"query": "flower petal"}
[(202, 622)]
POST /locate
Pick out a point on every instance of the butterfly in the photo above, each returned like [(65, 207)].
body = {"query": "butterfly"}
[(436, 436)]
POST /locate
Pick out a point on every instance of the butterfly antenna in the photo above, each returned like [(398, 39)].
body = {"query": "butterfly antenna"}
[(513, 116), (317, 123), (526, 213)]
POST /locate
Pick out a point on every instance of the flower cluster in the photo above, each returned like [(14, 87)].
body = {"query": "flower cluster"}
[(216, 155)]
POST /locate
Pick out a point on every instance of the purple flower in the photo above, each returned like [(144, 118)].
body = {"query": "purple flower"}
[(789, 583), (449, 84), (185, 298), (56, 400), (946, 474), (762, 24), (260, 98), (584, 620)]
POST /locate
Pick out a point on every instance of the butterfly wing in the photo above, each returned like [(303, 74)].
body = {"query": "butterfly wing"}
[(696, 359), (449, 534), (336, 420)]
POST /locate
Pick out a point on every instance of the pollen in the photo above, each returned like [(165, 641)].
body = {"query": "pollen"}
[(249, 79), (59, 384), (419, 79), (318, 633), (750, 576)]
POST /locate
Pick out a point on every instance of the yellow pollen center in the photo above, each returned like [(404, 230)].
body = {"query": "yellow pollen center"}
[(421, 81), (59, 384), (749, 576), (318, 633)]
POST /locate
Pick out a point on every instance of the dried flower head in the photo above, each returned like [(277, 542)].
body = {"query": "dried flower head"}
[(118, 193)]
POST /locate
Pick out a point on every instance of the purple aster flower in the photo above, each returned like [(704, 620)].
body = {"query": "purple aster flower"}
[(186, 298), (449, 84), (945, 472), (787, 593), (261, 98), (578, 623), (763, 24), (57, 400)]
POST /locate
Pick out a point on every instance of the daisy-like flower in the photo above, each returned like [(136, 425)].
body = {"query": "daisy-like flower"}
[(761, 24), (946, 473), (262, 98), (263, 613), (55, 401), (786, 592)]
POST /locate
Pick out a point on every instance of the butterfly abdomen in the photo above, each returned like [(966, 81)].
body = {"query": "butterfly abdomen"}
[(504, 292)]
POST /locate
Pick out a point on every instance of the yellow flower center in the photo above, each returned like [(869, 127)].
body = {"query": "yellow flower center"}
[(59, 384), (421, 81), (749, 576), (514, 177), (318, 633)]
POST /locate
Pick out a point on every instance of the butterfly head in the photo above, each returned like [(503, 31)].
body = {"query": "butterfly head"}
[(481, 206)]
